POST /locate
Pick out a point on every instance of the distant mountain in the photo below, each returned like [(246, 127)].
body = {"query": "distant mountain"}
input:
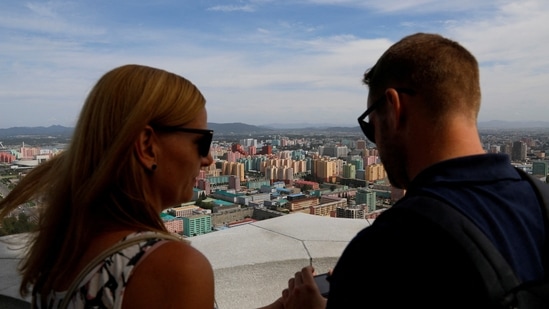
[(219, 128), (303, 125), (499, 124), (241, 128), (238, 128), (56, 130)]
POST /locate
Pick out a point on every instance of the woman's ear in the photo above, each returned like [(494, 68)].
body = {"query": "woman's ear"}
[(145, 148)]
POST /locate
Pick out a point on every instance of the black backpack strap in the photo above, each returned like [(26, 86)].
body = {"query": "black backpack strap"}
[(541, 290), (499, 278), (542, 192)]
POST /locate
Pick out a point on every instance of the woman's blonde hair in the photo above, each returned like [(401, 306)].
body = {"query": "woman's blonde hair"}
[(98, 183)]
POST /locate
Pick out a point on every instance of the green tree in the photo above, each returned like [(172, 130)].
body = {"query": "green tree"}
[(208, 205), (22, 223)]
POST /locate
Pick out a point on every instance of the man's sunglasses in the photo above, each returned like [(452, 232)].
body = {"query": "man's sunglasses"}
[(368, 128), (203, 143)]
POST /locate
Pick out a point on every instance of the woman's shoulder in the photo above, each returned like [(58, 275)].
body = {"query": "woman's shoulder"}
[(175, 272), (166, 245), (177, 254)]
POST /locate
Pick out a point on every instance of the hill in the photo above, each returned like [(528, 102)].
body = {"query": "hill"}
[(238, 128), (57, 130)]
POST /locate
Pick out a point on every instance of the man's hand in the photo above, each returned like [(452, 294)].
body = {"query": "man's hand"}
[(302, 292)]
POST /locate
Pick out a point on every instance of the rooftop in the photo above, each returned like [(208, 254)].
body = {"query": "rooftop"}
[(252, 262)]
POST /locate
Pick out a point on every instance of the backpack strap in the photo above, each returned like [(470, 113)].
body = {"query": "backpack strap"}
[(541, 290), (499, 278), (542, 192)]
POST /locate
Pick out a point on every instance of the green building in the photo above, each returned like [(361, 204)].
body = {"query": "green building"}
[(197, 225), (366, 196), (540, 168)]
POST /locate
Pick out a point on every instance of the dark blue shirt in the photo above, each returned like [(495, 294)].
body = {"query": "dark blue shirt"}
[(490, 192), (405, 261)]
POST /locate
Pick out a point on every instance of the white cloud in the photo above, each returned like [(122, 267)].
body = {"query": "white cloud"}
[(294, 65), (511, 47), (42, 9), (412, 6), (232, 8)]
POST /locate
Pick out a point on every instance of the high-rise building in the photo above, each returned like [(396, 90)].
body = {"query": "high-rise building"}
[(519, 151), (349, 171), (324, 169), (360, 174), (233, 168), (234, 182), (507, 149), (247, 142), (358, 163), (256, 162), (335, 151), (267, 149), (361, 144), (197, 225), (247, 162), (540, 168), (6, 157), (367, 197), (375, 172)]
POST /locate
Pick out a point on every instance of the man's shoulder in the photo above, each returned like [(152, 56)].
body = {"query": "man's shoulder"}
[(401, 215), (399, 224), (413, 256)]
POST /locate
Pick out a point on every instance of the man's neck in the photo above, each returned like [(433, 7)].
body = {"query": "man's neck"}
[(452, 140)]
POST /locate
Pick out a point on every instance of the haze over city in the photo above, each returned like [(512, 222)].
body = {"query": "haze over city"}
[(261, 62)]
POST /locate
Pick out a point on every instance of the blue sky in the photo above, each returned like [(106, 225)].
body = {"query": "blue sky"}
[(261, 62)]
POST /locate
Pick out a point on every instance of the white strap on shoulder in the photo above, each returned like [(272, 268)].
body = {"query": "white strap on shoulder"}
[(110, 251)]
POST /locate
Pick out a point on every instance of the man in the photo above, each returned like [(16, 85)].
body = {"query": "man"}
[(423, 102)]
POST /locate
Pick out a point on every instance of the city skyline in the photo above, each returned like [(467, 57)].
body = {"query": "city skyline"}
[(261, 62)]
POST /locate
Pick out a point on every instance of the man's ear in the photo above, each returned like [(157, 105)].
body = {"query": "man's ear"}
[(145, 148), (396, 108)]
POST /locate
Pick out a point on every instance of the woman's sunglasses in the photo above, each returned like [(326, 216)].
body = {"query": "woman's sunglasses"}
[(203, 143)]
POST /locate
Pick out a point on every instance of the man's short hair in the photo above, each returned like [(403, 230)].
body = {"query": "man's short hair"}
[(441, 70)]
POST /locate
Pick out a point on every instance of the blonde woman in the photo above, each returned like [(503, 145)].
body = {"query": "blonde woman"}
[(137, 148)]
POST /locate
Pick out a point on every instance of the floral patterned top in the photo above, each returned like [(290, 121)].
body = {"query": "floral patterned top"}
[(104, 286)]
